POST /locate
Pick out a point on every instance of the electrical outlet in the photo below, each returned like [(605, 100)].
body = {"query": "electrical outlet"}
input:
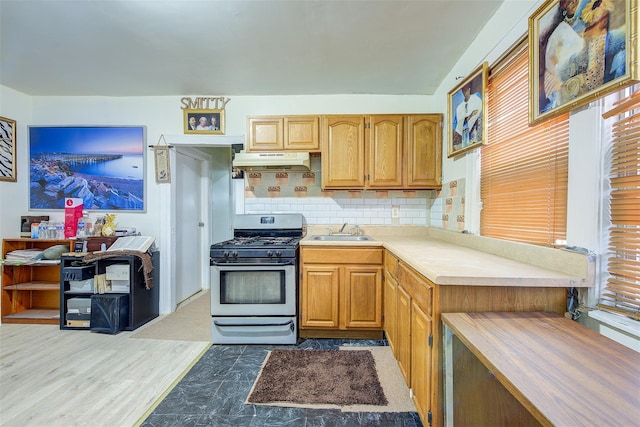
[(395, 211)]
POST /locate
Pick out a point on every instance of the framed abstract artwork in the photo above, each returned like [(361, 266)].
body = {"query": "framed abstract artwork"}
[(7, 150), (580, 50), (466, 109)]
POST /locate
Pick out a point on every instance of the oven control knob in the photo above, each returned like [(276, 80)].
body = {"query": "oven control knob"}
[(278, 253), (226, 254), (235, 254)]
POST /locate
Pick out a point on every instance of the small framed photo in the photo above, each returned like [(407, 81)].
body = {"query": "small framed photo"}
[(204, 121), (580, 51), (7, 150), (467, 106)]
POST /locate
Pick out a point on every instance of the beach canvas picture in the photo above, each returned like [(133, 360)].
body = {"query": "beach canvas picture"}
[(102, 165)]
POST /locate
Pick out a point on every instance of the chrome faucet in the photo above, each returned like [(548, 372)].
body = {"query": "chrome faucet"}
[(342, 228)]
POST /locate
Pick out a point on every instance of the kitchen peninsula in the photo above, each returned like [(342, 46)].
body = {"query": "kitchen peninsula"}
[(430, 271)]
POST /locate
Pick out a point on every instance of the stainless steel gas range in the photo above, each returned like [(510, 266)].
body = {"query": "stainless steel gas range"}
[(254, 282)]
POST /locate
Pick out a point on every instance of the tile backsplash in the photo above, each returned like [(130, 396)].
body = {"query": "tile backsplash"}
[(300, 192), (446, 208)]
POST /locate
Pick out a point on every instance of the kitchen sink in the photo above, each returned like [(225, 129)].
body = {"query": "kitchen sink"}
[(341, 238)]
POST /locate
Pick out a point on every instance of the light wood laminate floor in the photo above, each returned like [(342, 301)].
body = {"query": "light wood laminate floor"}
[(53, 377)]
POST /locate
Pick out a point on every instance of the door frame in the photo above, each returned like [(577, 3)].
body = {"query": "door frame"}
[(167, 215), (204, 161)]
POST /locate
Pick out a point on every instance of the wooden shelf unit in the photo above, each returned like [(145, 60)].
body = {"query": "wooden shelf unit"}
[(31, 291)]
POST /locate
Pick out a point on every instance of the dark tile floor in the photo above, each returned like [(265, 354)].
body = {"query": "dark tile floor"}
[(213, 393)]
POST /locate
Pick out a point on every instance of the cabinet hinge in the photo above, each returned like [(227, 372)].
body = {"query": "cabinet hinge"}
[(430, 340), (429, 417)]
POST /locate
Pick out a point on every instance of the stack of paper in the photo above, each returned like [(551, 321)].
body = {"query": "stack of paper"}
[(24, 255)]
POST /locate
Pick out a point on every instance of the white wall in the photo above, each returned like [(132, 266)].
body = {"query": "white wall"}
[(160, 115), (16, 106)]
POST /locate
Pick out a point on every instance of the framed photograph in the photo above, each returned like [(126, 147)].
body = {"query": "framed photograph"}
[(7, 150), (580, 50), (204, 121), (102, 165), (466, 106)]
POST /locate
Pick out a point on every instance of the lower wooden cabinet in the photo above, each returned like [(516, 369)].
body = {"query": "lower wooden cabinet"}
[(417, 334), (341, 288), (421, 349), (390, 311), (319, 297), (403, 338), (414, 340)]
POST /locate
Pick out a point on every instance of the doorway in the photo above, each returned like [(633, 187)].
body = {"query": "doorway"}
[(216, 204), (191, 195)]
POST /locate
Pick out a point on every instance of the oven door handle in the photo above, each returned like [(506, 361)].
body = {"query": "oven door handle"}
[(253, 265), (289, 323)]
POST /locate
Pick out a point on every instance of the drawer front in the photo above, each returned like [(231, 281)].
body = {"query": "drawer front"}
[(419, 288), (334, 255), (391, 264)]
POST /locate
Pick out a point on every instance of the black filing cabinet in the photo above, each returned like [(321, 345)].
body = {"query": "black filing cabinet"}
[(78, 285)]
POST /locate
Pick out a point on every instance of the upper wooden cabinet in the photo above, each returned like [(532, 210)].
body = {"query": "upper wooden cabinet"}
[(343, 152), (302, 133), (423, 151), (385, 157), (289, 133), (388, 151)]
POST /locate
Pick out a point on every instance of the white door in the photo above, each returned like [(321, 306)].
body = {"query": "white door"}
[(189, 224)]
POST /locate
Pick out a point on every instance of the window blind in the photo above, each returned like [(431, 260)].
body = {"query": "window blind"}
[(524, 170), (622, 291)]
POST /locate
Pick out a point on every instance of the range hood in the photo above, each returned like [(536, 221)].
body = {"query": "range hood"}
[(291, 161)]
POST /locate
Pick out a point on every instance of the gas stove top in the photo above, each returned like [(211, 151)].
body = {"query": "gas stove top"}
[(259, 237), (257, 241)]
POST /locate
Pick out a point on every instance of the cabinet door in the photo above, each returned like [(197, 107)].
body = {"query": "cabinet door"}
[(403, 339), (423, 151), (421, 325), (385, 152), (265, 133), (343, 152), (362, 297), (390, 311), (302, 133), (319, 296)]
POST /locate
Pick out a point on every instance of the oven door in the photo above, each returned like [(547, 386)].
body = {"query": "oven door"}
[(239, 289)]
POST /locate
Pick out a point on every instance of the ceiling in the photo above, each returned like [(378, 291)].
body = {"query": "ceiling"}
[(234, 47)]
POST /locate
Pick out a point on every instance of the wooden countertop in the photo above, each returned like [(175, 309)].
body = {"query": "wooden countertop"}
[(446, 263), (556, 368)]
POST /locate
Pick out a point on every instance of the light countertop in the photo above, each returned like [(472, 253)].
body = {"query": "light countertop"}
[(448, 258)]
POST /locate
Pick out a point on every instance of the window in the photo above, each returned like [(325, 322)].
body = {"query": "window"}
[(622, 291), (524, 170)]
